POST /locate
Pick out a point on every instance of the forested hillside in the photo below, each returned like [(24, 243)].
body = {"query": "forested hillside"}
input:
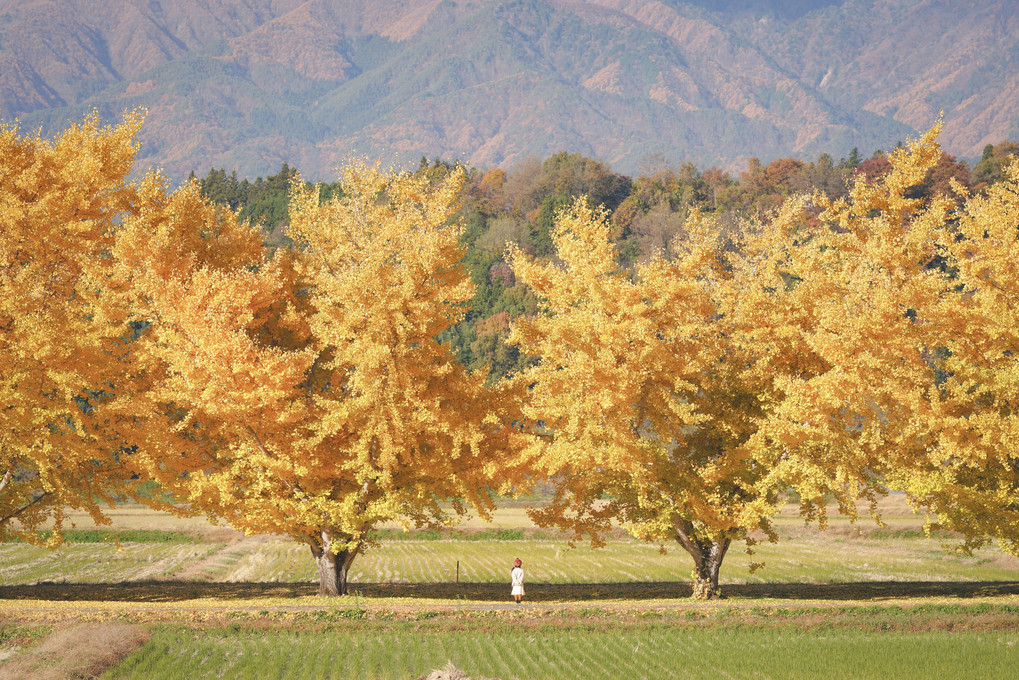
[(647, 212), (250, 85)]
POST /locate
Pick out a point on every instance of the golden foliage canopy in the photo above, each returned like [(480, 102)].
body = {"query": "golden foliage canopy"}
[(840, 349), (912, 305), (63, 320), (646, 399), (307, 394)]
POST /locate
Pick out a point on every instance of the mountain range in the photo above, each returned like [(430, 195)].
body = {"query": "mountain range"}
[(249, 84)]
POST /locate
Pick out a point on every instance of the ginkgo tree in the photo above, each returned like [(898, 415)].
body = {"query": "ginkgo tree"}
[(968, 477), (63, 323), (948, 347), (655, 386), (825, 351), (833, 300), (306, 394), (646, 403)]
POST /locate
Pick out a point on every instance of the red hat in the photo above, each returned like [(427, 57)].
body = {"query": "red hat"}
[(517, 562)]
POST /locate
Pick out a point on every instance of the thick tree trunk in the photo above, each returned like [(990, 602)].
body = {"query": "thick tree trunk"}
[(707, 558), (333, 566)]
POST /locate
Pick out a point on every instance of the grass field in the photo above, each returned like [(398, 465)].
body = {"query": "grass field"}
[(156, 596)]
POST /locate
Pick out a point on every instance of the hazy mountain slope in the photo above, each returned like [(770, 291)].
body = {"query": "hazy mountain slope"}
[(77, 47), (628, 85), (908, 60), (248, 84)]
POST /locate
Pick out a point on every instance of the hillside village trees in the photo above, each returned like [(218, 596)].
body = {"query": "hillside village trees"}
[(678, 352)]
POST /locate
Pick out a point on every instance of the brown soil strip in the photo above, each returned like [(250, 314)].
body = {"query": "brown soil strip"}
[(485, 594), (75, 652)]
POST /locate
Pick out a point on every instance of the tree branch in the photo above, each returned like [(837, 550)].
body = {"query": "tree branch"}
[(684, 535), (14, 515), (258, 442)]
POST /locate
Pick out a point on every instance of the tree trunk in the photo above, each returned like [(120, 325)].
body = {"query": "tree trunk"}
[(707, 558), (333, 566)]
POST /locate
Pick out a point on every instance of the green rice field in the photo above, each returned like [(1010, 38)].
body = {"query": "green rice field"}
[(660, 652)]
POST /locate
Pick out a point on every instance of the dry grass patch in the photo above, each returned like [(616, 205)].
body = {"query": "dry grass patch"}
[(75, 652), (449, 672)]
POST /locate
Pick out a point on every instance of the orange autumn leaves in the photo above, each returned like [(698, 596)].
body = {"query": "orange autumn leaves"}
[(840, 350)]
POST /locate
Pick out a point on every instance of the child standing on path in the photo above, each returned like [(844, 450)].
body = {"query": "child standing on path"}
[(517, 580)]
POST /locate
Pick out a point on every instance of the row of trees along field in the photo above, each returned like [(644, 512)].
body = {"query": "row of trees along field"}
[(645, 215), (683, 352)]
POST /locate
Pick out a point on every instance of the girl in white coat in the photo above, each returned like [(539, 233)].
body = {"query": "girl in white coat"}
[(517, 580)]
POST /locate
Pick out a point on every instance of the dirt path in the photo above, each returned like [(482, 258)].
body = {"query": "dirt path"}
[(486, 594)]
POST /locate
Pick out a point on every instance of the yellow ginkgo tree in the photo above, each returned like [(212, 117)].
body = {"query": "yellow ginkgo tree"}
[(63, 322), (306, 394), (646, 403), (969, 477), (965, 474), (836, 302)]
